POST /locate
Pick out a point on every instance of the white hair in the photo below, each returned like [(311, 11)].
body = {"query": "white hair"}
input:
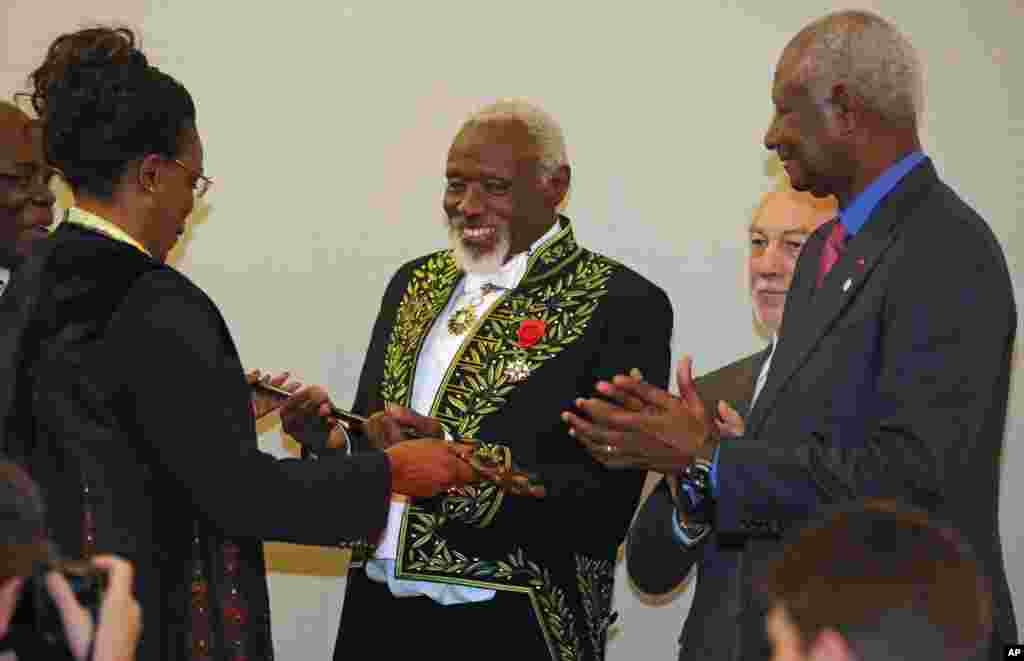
[(542, 127), (868, 55)]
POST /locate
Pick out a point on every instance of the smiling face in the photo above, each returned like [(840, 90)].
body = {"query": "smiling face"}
[(26, 200), (804, 132), (777, 234), (496, 199)]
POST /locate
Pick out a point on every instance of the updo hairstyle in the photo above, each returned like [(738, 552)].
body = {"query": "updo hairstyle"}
[(104, 107)]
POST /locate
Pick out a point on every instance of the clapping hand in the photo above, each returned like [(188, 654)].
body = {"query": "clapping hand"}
[(643, 426), (729, 422)]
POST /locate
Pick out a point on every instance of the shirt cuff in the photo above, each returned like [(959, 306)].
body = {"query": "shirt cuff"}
[(714, 472), (348, 439)]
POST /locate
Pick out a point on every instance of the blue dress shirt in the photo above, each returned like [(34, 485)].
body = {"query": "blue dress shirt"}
[(854, 216)]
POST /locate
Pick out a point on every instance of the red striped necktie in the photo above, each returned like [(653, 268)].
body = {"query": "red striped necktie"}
[(830, 253)]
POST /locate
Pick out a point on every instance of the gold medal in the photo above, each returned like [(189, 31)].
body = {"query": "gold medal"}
[(462, 320), (465, 317)]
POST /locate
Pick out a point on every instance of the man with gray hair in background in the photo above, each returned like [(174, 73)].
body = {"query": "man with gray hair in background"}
[(659, 553), (892, 370), (492, 339)]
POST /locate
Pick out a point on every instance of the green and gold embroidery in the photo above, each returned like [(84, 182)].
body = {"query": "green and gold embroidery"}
[(477, 384), (482, 374), (472, 504), (559, 251), (425, 296), (562, 286), (595, 580), (514, 573)]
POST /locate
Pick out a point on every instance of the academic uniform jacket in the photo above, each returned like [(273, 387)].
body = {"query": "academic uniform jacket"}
[(132, 412), (552, 559), (889, 381)]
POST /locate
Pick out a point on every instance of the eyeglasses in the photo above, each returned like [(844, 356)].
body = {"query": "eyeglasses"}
[(201, 184)]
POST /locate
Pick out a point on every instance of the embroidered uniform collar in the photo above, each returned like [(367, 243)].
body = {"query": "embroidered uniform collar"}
[(512, 271), (77, 216)]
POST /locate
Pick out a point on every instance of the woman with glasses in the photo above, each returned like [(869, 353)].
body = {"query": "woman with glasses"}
[(133, 410)]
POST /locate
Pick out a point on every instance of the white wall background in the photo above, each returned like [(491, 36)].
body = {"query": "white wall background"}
[(326, 126)]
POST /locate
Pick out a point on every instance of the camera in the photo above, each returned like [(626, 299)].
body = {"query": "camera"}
[(36, 625)]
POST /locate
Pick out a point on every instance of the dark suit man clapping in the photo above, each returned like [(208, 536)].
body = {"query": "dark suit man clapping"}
[(783, 221), (891, 374)]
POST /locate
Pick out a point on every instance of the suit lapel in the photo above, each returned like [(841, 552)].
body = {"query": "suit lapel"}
[(811, 313)]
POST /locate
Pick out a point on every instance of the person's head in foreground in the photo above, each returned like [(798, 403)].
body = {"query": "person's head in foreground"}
[(25, 552), (877, 581)]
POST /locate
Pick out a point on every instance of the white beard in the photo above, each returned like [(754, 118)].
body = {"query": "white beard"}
[(466, 256)]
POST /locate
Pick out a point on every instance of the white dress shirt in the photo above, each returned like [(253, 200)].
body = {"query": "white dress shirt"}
[(5, 278), (763, 376), (439, 349)]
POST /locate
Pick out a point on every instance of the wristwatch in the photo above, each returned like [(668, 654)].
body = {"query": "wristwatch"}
[(695, 493)]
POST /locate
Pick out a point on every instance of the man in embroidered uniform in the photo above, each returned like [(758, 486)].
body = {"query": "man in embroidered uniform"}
[(26, 201), (491, 339), (781, 225), (891, 374)]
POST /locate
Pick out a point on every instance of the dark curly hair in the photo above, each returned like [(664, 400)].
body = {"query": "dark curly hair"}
[(103, 106)]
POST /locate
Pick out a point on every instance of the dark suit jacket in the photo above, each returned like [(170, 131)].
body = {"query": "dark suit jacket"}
[(655, 560), (132, 412), (601, 319), (890, 381)]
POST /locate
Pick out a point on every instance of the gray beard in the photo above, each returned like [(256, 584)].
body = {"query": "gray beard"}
[(471, 261)]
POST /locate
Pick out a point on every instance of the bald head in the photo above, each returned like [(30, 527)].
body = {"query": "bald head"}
[(781, 224), (15, 132), (26, 201), (865, 53)]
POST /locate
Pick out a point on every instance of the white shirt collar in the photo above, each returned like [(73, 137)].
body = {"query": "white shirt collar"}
[(5, 278), (512, 271)]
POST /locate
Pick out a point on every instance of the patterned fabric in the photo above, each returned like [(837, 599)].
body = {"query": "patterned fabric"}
[(562, 288), (596, 580), (574, 318)]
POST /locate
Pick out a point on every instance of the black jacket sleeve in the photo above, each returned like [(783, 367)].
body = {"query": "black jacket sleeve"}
[(182, 393)]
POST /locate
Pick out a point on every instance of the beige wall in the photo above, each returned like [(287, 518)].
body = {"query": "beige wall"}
[(326, 125)]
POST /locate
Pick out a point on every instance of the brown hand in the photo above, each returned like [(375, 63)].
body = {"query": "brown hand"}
[(426, 466), (646, 427), (511, 478), (387, 427), (264, 402), (729, 422), (307, 417)]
